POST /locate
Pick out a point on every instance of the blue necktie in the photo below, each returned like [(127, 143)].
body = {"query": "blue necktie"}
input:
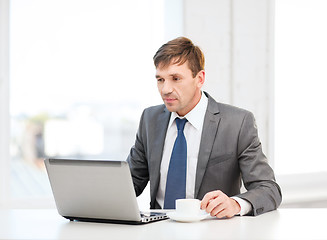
[(176, 176)]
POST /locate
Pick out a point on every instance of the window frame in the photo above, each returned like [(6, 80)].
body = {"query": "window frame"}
[(4, 105)]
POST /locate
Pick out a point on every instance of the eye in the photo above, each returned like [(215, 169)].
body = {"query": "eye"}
[(176, 78), (160, 79)]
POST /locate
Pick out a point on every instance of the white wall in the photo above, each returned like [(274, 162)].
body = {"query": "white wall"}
[(235, 36)]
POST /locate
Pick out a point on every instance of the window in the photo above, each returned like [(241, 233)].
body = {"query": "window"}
[(300, 63), (81, 73), (300, 116)]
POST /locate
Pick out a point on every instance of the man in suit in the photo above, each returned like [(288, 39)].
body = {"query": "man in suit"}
[(219, 142)]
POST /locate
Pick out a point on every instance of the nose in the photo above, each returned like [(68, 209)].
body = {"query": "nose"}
[(167, 88)]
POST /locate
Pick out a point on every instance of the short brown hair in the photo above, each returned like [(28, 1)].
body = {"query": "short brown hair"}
[(178, 51)]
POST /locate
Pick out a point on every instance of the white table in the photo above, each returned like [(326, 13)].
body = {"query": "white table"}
[(280, 224)]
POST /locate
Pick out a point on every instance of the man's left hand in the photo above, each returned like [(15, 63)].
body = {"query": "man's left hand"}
[(220, 205)]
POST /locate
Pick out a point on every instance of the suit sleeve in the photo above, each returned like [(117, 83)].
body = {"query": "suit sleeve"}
[(137, 160), (263, 193)]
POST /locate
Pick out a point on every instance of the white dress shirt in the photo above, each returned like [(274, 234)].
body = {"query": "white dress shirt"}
[(192, 132)]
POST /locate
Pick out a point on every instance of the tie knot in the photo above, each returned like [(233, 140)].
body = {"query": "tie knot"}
[(180, 123)]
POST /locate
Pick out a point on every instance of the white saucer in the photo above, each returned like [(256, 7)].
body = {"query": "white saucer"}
[(186, 218)]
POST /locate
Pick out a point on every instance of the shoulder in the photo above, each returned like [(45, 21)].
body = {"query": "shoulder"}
[(155, 113), (225, 110), (155, 110)]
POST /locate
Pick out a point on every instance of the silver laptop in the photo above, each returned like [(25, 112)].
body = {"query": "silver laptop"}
[(96, 190)]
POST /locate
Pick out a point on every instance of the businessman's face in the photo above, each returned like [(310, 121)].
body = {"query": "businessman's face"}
[(178, 88)]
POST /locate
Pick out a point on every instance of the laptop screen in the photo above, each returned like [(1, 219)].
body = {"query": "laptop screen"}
[(98, 189)]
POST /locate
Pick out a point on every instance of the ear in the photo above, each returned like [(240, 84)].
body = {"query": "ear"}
[(201, 78)]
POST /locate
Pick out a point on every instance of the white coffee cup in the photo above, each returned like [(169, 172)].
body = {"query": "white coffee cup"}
[(188, 207)]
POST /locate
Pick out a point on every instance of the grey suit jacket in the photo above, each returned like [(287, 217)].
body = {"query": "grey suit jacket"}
[(230, 150)]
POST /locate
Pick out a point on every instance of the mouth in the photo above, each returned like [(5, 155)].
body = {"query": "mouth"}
[(169, 100)]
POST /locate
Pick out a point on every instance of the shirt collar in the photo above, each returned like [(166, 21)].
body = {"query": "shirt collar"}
[(196, 115)]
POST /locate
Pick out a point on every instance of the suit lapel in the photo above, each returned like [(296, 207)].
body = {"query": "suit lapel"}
[(209, 132)]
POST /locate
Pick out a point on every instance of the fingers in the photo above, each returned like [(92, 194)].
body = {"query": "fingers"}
[(216, 204), (209, 197), (224, 209), (219, 204)]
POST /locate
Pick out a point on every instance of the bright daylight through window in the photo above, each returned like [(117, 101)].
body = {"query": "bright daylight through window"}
[(301, 83), (81, 73)]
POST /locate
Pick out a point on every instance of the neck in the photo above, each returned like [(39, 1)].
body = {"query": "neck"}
[(195, 101)]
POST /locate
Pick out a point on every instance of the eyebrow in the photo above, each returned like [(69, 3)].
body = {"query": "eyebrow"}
[(171, 75)]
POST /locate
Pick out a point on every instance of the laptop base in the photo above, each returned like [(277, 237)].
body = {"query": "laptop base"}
[(98, 220)]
